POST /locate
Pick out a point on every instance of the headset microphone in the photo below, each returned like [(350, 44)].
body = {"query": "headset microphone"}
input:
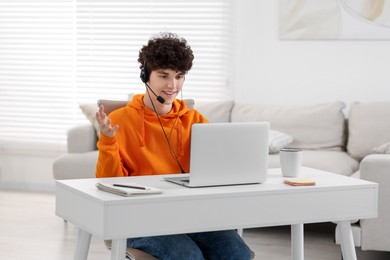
[(159, 98)]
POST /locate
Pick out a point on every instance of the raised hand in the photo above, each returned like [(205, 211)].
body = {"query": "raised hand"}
[(105, 123)]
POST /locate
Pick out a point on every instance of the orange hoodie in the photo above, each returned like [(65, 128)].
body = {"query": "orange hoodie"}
[(139, 147)]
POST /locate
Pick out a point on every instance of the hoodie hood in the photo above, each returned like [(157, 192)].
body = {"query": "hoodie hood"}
[(179, 109)]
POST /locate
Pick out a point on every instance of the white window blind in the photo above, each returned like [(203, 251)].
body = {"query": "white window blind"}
[(56, 54)]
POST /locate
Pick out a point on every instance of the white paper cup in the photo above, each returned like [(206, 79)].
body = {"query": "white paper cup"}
[(290, 161)]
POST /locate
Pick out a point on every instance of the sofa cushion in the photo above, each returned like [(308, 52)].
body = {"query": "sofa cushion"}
[(215, 111), (89, 110), (278, 140), (333, 161), (311, 126), (369, 128), (384, 148)]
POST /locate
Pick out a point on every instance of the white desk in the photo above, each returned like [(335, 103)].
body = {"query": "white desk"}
[(184, 210)]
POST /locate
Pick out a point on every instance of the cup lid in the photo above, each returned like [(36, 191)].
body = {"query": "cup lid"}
[(291, 150)]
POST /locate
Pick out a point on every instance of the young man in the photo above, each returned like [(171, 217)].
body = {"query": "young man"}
[(151, 135)]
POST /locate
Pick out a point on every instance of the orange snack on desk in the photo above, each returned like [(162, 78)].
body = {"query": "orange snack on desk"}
[(299, 182)]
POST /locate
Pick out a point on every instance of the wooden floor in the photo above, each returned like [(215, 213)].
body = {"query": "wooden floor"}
[(29, 229)]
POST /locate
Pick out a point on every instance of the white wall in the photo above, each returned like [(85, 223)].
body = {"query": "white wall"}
[(272, 71)]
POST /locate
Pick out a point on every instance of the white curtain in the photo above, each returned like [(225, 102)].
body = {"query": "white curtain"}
[(57, 54)]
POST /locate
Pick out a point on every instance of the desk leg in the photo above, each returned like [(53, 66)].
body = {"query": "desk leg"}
[(118, 249), (82, 247), (347, 244), (297, 243)]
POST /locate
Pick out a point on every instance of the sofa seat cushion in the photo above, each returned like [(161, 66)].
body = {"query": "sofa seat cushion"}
[(311, 126), (333, 161)]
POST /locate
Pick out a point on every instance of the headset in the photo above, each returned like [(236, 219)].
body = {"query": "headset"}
[(144, 75)]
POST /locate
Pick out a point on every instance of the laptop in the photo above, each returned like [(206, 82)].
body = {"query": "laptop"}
[(227, 154)]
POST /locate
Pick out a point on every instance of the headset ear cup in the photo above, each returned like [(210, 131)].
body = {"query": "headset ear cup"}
[(143, 76)]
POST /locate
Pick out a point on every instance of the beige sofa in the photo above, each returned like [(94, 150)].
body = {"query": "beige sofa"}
[(334, 139)]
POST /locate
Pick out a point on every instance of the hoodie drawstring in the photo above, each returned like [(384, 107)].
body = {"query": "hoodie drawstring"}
[(142, 124), (180, 148)]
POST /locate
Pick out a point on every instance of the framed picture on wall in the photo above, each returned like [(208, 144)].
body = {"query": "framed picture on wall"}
[(334, 19)]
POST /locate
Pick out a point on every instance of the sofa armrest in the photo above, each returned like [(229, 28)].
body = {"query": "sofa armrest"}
[(82, 139), (376, 168), (75, 166)]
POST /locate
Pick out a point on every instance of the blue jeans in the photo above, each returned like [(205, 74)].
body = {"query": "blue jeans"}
[(210, 245)]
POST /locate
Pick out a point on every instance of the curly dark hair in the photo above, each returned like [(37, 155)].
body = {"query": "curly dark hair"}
[(166, 51)]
